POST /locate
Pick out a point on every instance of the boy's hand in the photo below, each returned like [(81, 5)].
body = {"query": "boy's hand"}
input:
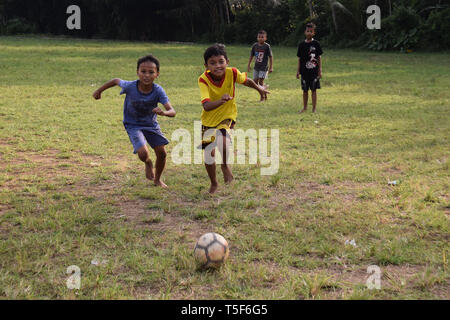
[(97, 95), (249, 68), (226, 98), (263, 90), (270, 70), (159, 112), (319, 75), (298, 75)]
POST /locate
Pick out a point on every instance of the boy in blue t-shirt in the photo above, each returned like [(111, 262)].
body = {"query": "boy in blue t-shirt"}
[(140, 111)]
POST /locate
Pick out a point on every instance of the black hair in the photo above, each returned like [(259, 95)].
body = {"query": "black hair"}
[(262, 32), (215, 50), (147, 59), (311, 25)]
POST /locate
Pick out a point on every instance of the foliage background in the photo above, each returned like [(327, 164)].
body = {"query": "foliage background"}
[(406, 25)]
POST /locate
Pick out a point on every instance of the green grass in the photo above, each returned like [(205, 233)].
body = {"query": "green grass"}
[(71, 190)]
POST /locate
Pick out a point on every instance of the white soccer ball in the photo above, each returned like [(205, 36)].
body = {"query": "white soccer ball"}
[(211, 250)]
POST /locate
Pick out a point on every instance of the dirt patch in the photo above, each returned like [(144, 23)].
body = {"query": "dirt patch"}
[(6, 143), (313, 192), (4, 208), (442, 291), (49, 167), (392, 172), (341, 279), (139, 213)]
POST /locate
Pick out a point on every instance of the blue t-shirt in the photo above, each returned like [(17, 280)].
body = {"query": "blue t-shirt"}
[(138, 107)]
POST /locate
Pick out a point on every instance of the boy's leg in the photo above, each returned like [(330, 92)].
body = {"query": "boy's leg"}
[(314, 100), (161, 156), (305, 101), (223, 144), (211, 170), (315, 85), (144, 156), (255, 76), (157, 141), (138, 140), (261, 83), (257, 81), (305, 88)]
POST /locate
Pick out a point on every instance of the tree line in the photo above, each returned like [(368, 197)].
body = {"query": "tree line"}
[(405, 25)]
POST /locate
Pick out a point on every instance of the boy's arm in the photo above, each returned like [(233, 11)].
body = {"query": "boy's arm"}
[(211, 105), (207, 104), (112, 83), (249, 63), (270, 64), (320, 67), (298, 69), (170, 111), (261, 89)]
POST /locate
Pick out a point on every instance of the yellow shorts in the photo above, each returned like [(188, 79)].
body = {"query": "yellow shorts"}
[(224, 127)]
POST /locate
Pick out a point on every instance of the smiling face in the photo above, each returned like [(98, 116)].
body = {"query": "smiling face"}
[(217, 65), (147, 73)]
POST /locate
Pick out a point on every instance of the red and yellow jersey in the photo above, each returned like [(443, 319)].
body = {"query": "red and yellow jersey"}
[(212, 92)]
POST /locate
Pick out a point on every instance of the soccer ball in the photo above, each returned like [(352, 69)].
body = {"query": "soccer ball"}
[(211, 250)]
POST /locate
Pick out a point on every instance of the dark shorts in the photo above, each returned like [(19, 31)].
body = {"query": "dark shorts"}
[(139, 137), (310, 83), (224, 127)]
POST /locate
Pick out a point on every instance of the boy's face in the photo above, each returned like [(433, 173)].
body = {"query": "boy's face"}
[(309, 33), (262, 37), (217, 65), (147, 72)]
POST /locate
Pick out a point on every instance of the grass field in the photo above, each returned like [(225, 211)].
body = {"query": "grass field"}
[(71, 191)]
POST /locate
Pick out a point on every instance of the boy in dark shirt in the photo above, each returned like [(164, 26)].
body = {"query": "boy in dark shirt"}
[(262, 52), (309, 66)]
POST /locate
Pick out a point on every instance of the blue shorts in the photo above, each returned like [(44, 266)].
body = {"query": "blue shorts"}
[(139, 137)]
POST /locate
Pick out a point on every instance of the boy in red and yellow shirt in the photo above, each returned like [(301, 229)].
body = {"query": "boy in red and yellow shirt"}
[(218, 91)]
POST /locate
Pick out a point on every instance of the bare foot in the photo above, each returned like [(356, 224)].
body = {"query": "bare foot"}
[(227, 174), (314, 110), (161, 184), (149, 171), (304, 110), (213, 188), (228, 179)]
